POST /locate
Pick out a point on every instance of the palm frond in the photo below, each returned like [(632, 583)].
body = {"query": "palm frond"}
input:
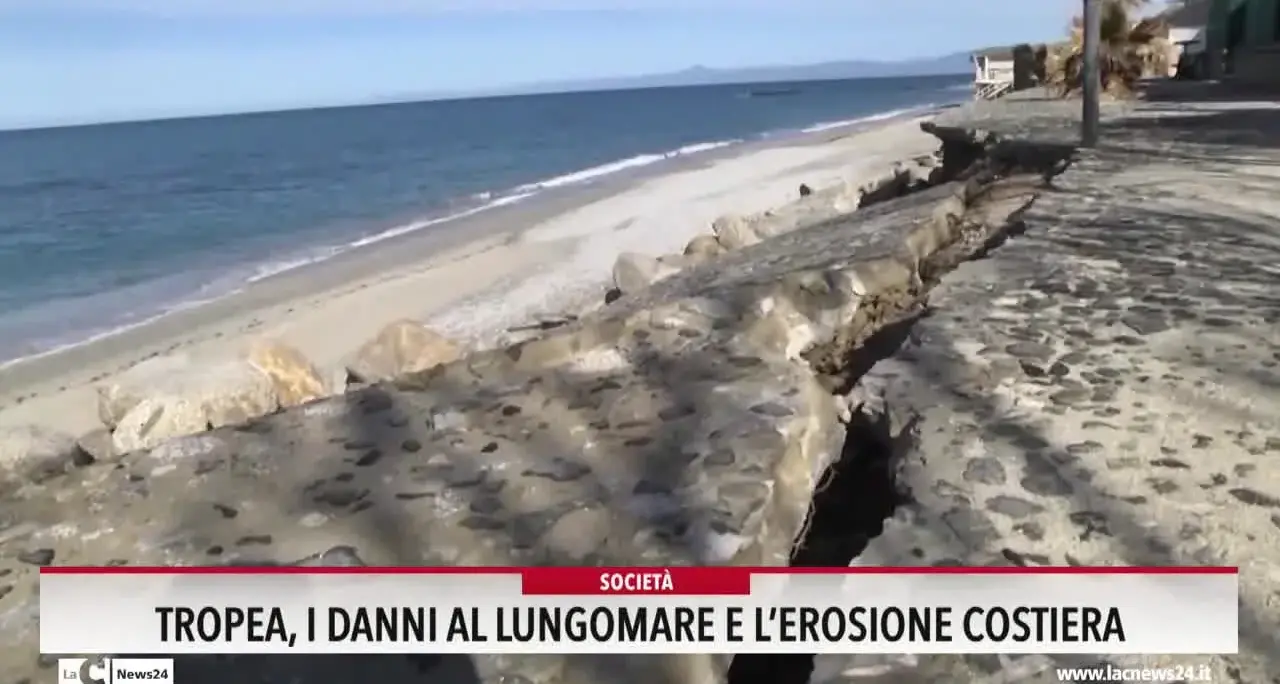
[(1127, 51)]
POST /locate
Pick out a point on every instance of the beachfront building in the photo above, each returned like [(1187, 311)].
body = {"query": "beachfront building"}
[(1243, 41), (1187, 22), (992, 72)]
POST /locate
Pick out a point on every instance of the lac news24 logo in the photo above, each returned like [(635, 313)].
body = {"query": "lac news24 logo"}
[(99, 670)]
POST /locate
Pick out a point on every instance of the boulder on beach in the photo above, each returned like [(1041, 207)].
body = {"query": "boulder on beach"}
[(734, 232), (403, 346), (132, 385), (180, 394), (215, 390), (633, 272), (902, 179), (295, 379), (37, 452), (895, 183), (670, 263), (703, 248), (98, 445), (820, 204), (914, 174), (159, 418)]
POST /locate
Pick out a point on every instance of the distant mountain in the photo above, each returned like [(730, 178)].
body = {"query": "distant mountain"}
[(957, 63)]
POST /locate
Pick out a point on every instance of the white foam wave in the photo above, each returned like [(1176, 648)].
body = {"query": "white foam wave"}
[(593, 172), (273, 268), (427, 223), (881, 116), (702, 147)]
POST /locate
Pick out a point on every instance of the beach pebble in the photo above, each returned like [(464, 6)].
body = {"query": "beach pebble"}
[(402, 347)]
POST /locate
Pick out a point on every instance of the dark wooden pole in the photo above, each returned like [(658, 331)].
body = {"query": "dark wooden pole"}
[(1092, 78)]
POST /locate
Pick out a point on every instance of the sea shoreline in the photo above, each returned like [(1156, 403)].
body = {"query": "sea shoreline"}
[(461, 278), (39, 326)]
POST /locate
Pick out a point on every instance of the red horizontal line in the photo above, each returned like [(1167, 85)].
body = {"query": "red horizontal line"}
[(946, 570), (1005, 570)]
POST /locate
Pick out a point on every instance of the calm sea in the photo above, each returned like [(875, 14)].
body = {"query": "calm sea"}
[(103, 227)]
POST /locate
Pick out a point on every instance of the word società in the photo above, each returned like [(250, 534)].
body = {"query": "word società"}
[(636, 581)]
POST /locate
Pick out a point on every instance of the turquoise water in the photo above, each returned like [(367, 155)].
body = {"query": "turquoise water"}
[(102, 227)]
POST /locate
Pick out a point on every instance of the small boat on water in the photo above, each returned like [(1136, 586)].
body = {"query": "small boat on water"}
[(772, 92)]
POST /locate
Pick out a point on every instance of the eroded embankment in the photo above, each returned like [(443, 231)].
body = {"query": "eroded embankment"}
[(691, 422), (991, 180)]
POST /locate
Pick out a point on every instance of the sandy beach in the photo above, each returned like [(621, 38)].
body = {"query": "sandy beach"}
[(472, 278)]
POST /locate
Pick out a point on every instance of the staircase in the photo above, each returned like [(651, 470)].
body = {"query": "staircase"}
[(992, 89)]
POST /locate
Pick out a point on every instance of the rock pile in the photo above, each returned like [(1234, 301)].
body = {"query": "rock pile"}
[(169, 396), (175, 395), (633, 272)]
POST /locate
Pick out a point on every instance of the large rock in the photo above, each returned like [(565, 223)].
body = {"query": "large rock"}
[(36, 452), (633, 272), (123, 391), (734, 232), (206, 395), (704, 248), (818, 206), (904, 178), (157, 419), (891, 185), (401, 347), (295, 379), (220, 390), (97, 443), (677, 262)]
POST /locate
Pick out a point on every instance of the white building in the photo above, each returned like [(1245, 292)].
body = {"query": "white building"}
[(992, 72)]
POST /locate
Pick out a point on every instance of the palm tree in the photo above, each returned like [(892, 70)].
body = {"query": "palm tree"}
[(1127, 50)]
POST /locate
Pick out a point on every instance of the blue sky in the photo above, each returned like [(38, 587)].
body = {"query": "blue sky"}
[(64, 61)]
